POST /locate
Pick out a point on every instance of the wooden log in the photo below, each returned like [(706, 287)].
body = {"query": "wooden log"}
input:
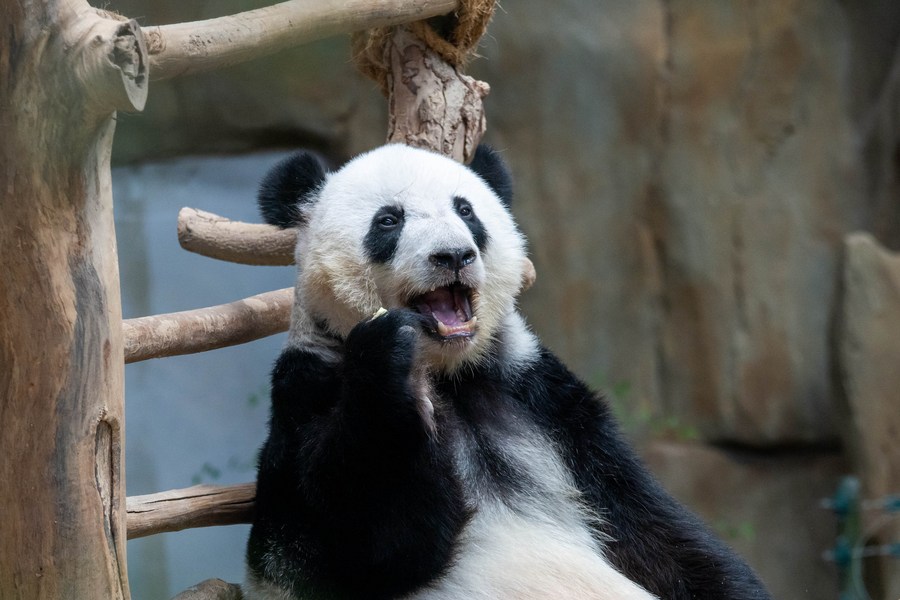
[(203, 329), (197, 506), (187, 48), (65, 68), (246, 243)]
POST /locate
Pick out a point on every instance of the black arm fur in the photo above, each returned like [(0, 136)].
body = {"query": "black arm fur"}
[(355, 497)]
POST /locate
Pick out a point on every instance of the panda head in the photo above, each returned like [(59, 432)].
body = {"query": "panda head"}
[(403, 227)]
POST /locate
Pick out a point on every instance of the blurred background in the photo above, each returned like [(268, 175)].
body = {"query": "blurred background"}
[(711, 191)]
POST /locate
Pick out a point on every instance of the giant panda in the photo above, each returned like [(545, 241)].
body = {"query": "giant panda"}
[(423, 444)]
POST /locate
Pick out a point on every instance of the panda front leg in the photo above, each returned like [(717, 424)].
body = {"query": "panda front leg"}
[(357, 498), (384, 396)]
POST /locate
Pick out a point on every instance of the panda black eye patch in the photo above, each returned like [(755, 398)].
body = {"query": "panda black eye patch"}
[(465, 211), (381, 240)]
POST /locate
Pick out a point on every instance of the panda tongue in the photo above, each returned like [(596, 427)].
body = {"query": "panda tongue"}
[(446, 305)]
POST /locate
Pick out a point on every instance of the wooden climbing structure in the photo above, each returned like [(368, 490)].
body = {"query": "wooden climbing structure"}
[(66, 68)]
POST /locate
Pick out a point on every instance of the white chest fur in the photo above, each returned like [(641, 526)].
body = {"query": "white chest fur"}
[(532, 545), (506, 556)]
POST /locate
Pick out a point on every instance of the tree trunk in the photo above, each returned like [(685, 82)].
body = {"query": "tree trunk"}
[(65, 69)]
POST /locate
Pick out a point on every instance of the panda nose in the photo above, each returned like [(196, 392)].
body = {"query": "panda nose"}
[(453, 260)]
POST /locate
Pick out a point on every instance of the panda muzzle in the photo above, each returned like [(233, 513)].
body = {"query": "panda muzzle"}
[(448, 310)]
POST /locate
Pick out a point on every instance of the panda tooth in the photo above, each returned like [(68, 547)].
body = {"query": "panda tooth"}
[(442, 329), (473, 321)]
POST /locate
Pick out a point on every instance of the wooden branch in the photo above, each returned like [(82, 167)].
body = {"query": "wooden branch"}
[(187, 48), (432, 104), (246, 243), (209, 328), (197, 506)]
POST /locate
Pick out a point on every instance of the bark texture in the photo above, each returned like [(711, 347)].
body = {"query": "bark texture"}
[(66, 68), (432, 105)]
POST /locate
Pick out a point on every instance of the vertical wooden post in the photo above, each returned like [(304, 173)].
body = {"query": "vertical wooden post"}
[(65, 69), (432, 104)]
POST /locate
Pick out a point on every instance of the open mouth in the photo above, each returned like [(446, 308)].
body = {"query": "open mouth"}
[(448, 310)]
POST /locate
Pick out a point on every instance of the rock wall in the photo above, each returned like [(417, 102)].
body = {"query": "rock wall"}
[(686, 173), (869, 351)]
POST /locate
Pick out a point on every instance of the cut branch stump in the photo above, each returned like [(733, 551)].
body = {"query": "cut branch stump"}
[(210, 235)]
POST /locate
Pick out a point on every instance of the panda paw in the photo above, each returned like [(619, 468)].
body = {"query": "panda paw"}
[(386, 342)]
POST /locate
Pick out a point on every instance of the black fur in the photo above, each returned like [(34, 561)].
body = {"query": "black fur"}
[(358, 498), (287, 185), (465, 211), (655, 541), (384, 234), (488, 165)]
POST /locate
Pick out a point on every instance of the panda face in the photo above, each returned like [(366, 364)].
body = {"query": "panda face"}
[(400, 227)]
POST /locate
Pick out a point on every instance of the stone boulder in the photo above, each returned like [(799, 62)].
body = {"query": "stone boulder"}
[(869, 342)]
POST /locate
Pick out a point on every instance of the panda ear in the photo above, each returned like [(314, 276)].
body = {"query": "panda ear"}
[(287, 186), (488, 165)]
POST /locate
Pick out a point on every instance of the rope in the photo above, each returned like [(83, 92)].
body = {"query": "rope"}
[(453, 36)]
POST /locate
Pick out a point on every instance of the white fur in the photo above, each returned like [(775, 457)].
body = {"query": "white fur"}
[(518, 345), (260, 589), (505, 556), (338, 282)]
